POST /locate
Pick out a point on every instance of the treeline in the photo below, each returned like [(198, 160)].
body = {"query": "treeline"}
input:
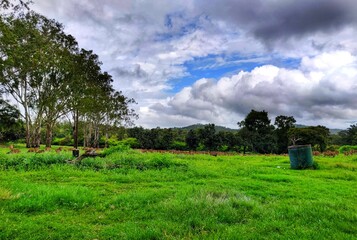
[(256, 134), (43, 69)]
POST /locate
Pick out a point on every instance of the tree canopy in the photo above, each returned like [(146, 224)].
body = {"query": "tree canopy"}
[(49, 76)]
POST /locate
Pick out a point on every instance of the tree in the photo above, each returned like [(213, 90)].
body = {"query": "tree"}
[(192, 139), (10, 124), (283, 123), (207, 136), (352, 135), (33, 67), (314, 135), (43, 70), (258, 132)]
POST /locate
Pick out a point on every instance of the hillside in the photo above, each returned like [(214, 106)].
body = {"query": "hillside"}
[(199, 125), (225, 129)]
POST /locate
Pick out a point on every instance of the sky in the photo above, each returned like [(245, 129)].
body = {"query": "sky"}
[(199, 61)]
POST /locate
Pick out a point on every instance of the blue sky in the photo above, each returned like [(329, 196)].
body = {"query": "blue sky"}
[(194, 61)]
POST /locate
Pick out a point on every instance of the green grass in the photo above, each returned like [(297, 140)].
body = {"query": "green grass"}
[(131, 195)]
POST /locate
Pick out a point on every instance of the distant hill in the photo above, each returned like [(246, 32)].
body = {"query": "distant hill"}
[(332, 130), (199, 125), (225, 129)]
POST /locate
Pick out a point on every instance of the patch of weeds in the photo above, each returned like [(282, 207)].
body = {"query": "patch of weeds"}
[(48, 198), (345, 166), (116, 149), (315, 165), (28, 162)]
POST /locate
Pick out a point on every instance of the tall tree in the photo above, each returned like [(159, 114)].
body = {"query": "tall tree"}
[(259, 131), (314, 135), (207, 136), (352, 135), (35, 53), (10, 123), (283, 124)]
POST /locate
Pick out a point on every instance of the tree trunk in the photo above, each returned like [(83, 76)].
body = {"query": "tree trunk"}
[(96, 136), (48, 135), (106, 139), (75, 132), (28, 138)]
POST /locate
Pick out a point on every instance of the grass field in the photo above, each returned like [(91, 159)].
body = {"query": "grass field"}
[(133, 195)]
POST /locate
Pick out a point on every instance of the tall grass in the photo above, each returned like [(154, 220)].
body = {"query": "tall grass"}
[(133, 195)]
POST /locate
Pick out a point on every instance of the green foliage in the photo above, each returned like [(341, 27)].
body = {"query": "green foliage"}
[(11, 127), (65, 141), (35, 198), (131, 142), (134, 195), (332, 148), (257, 132), (283, 123), (347, 148), (27, 161), (179, 145), (115, 149), (192, 139), (314, 135)]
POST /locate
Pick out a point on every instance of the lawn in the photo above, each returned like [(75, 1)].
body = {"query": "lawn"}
[(133, 195)]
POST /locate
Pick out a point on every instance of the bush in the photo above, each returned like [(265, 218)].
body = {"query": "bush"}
[(346, 148), (177, 145), (332, 148), (223, 148), (66, 141), (131, 142), (32, 161), (115, 149)]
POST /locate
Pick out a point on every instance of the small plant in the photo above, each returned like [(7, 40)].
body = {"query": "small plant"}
[(315, 165), (116, 149)]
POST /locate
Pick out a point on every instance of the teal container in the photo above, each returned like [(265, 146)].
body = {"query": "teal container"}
[(300, 156)]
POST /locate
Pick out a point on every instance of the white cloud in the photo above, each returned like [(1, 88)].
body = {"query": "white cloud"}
[(296, 92), (145, 45)]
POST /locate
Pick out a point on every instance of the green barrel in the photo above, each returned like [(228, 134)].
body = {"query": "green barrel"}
[(300, 156)]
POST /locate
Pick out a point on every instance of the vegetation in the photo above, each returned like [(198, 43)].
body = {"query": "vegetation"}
[(49, 76), (134, 195), (127, 194)]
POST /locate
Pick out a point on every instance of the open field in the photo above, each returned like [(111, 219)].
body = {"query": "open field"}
[(134, 195)]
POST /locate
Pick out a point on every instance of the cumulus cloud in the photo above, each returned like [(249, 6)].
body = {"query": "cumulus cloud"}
[(146, 46), (323, 88), (272, 20)]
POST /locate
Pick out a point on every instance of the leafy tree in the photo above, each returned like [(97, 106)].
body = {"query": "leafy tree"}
[(10, 123), (258, 132), (192, 139), (32, 55), (350, 135), (283, 124), (207, 136), (314, 135)]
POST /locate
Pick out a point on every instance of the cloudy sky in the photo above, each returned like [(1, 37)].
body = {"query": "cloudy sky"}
[(199, 61)]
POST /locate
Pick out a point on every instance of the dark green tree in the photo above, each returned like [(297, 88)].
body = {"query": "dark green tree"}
[(258, 132), (283, 124), (192, 139), (314, 135), (11, 127), (207, 136)]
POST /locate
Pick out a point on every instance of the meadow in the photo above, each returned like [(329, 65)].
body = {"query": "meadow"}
[(132, 195)]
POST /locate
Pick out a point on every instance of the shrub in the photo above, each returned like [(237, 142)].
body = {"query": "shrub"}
[(347, 148), (115, 149), (332, 148), (131, 142), (27, 161), (177, 145), (65, 141)]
